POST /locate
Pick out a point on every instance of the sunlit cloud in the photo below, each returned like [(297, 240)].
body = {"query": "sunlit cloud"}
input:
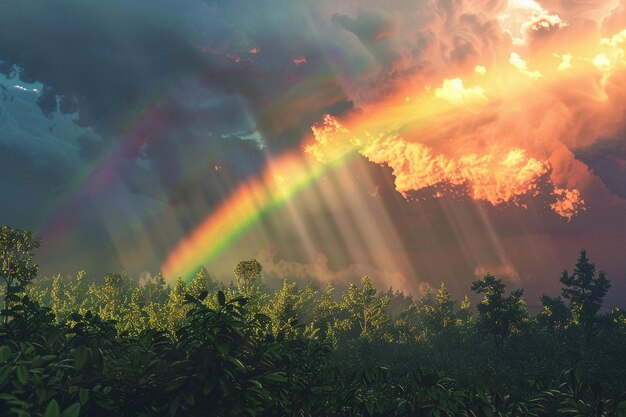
[(506, 270), (520, 63), (568, 203), (480, 70), (456, 93), (615, 40), (492, 178), (566, 63), (490, 161)]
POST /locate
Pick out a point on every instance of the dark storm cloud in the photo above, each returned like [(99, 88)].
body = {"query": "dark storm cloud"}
[(397, 40), (102, 59), (606, 157), (111, 62), (37, 154)]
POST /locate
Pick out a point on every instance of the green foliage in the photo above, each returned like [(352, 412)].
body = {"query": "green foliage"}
[(17, 268), (286, 310), (439, 314), (500, 316), (362, 312), (246, 273), (119, 347), (555, 315), (585, 293)]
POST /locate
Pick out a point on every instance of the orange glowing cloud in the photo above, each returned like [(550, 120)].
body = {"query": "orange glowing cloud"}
[(568, 203), (496, 178), (496, 131)]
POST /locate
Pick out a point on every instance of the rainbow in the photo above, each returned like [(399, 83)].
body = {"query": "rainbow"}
[(416, 111), (281, 180), (102, 172)]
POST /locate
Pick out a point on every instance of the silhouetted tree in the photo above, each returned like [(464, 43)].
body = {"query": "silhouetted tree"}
[(464, 313), (585, 293), (554, 314), (499, 315)]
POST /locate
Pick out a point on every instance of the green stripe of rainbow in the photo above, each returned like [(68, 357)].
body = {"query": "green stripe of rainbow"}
[(282, 179)]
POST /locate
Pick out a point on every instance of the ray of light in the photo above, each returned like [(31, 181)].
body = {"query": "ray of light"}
[(419, 111), (284, 177), (420, 132)]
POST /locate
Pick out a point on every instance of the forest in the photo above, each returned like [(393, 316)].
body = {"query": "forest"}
[(116, 346)]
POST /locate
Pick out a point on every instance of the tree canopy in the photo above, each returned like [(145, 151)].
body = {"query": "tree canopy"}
[(117, 346)]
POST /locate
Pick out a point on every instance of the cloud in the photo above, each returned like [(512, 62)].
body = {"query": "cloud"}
[(319, 271), (614, 22), (159, 110), (566, 63), (616, 40), (579, 10), (506, 271), (518, 62), (159, 94), (568, 203), (497, 177), (37, 153), (486, 177), (526, 121), (396, 41), (104, 72), (456, 93), (606, 157)]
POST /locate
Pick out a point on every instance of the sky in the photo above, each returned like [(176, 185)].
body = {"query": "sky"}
[(413, 142)]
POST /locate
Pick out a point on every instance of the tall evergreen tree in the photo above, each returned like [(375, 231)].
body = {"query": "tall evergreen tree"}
[(585, 293), (365, 309)]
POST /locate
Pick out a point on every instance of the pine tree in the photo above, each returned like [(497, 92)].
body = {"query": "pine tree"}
[(284, 310), (585, 293), (444, 307), (367, 313)]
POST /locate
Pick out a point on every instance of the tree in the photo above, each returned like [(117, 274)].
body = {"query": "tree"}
[(325, 312), (202, 282), (554, 314), (443, 312), (585, 293), (498, 315), (114, 296), (156, 296), (464, 313), (67, 297), (285, 310), (17, 268), (175, 308), (247, 272), (365, 309)]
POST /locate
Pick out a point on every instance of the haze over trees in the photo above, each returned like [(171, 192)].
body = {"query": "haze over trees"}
[(118, 347)]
